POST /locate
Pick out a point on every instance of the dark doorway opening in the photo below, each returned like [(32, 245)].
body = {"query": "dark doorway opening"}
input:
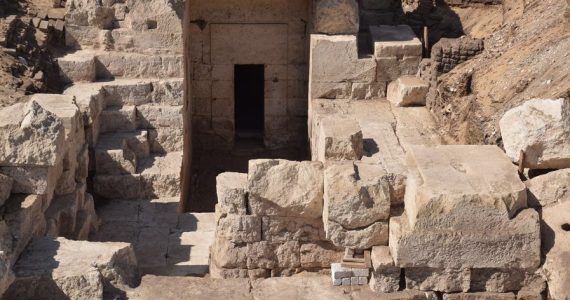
[(249, 88)]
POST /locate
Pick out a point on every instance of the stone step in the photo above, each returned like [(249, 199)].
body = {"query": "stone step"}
[(118, 118), (56, 266), (118, 153), (91, 65), (156, 177)]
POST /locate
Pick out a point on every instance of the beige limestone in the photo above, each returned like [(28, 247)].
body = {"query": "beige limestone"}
[(239, 228), (385, 276), (339, 139), (76, 269), (480, 296), (281, 229), (356, 195), (556, 246), (441, 280), (540, 128), (319, 255), (32, 136), (336, 16), (549, 189), (395, 41), (231, 189), (77, 67), (451, 188), (362, 238), (407, 91), (285, 188)]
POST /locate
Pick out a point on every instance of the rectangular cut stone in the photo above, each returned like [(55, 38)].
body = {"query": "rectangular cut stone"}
[(118, 119), (408, 91), (285, 188), (249, 43), (440, 280), (451, 189), (159, 116), (77, 67), (385, 276), (282, 229), (339, 139), (320, 254), (231, 189), (480, 296), (239, 228), (398, 41), (33, 180)]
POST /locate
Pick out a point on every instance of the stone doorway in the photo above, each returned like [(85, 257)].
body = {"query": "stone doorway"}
[(249, 102)]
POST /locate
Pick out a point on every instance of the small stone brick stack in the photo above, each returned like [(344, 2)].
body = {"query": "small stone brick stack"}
[(269, 221)]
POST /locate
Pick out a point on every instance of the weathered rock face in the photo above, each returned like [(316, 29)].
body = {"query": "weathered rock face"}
[(556, 246), (385, 275), (231, 189), (549, 189), (6, 274), (31, 136), (5, 188), (339, 139), (285, 188), (540, 128), (336, 17), (453, 188), (60, 268)]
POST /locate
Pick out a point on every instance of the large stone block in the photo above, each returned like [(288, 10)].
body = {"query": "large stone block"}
[(408, 91), (320, 255), (239, 228), (226, 254), (440, 280), (541, 129), (76, 269), (339, 139), (77, 67), (32, 136), (395, 41), (285, 188), (281, 229), (336, 16), (556, 245), (451, 189), (33, 180), (334, 59), (231, 189), (159, 116), (5, 188), (480, 296), (549, 189), (362, 238), (25, 218), (356, 195)]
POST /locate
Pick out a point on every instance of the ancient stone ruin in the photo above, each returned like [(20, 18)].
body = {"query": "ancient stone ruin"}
[(288, 149)]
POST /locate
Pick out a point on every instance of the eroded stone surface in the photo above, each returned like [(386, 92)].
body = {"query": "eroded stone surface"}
[(549, 189), (540, 128), (336, 17), (407, 91), (231, 190)]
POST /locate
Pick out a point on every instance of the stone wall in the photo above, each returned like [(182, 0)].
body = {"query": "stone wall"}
[(272, 33)]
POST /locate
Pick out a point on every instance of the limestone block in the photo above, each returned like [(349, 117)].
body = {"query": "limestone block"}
[(504, 280), (163, 140), (118, 119), (78, 37), (408, 91), (261, 255), (24, 216), (64, 108), (440, 280), (334, 59), (128, 92), (540, 128), (231, 190), (319, 255), (549, 189), (32, 136), (362, 238), (76, 269), (6, 274), (330, 90), (5, 188), (285, 188), (135, 65), (336, 17), (119, 187), (168, 91), (385, 276), (368, 91), (77, 67), (281, 229), (356, 195), (395, 41), (154, 116), (339, 139), (556, 245), (226, 254), (115, 161), (479, 296), (391, 68), (239, 228), (287, 254), (33, 180)]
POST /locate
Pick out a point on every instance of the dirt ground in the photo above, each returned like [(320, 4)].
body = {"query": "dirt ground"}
[(526, 56)]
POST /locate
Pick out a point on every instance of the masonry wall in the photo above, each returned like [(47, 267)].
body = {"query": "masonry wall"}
[(225, 33)]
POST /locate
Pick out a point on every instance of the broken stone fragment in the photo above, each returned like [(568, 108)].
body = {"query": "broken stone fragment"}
[(541, 129), (32, 136), (362, 238), (356, 195), (336, 17), (285, 188), (556, 246), (549, 189), (407, 91), (385, 276), (76, 269), (339, 139), (231, 189)]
